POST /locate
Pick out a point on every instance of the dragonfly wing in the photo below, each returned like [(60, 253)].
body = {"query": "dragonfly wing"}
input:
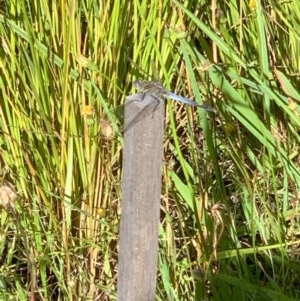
[(140, 114)]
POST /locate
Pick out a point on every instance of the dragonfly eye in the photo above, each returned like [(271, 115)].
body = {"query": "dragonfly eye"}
[(137, 84)]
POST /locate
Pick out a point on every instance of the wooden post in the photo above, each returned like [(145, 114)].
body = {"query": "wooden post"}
[(141, 190)]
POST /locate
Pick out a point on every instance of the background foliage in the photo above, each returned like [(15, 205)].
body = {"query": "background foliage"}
[(230, 199)]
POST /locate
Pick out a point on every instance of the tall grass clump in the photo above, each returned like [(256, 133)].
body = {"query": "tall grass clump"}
[(230, 199)]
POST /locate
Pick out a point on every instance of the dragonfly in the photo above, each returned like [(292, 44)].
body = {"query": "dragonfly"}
[(156, 89)]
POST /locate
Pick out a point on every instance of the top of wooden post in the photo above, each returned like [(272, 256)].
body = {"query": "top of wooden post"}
[(141, 190)]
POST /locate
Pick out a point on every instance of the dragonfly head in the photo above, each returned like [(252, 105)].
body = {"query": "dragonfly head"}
[(140, 84)]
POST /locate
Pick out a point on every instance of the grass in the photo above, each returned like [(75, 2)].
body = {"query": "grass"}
[(231, 180)]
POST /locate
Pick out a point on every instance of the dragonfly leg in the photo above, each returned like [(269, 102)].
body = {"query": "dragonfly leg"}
[(142, 98), (157, 101)]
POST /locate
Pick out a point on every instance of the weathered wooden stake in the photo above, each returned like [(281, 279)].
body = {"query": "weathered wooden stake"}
[(141, 190)]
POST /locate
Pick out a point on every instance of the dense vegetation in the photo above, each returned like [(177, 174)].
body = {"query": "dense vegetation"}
[(230, 199)]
